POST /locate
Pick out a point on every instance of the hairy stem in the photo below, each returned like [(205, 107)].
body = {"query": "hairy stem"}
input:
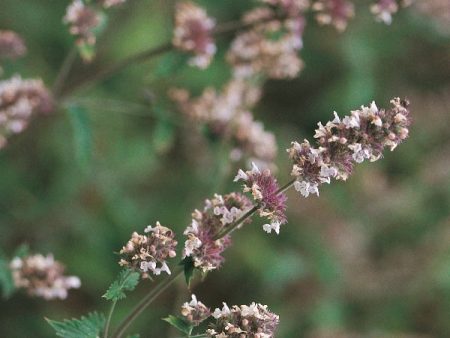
[(108, 321), (286, 186), (145, 302), (64, 72)]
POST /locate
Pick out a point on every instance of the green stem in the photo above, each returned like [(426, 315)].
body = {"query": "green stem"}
[(64, 72), (286, 186), (225, 28), (119, 66), (108, 321), (145, 302)]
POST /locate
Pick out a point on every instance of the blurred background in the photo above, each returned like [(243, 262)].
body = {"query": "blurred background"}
[(369, 258)]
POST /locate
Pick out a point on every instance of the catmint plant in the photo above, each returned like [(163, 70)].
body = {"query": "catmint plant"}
[(265, 46)]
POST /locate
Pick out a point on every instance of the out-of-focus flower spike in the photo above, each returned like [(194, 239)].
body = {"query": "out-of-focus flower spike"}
[(193, 33), (12, 45), (42, 276), (20, 100), (334, 12)]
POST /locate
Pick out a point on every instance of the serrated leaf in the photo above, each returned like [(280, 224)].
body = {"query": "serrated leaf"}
[(126, 281), (85, 327), (189, 269), (82, 133), (180, 324), (6, 280)]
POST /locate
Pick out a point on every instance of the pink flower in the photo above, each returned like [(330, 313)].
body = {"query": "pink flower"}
[(265, 191), (201, 244)]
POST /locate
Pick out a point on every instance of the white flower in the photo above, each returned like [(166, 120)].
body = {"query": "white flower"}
[(336, 118), (241, 175), (373, 107), (352, 121), (305, 188), (191, 244), (152, 229), (321, 131), (327, 172), (221, 313), (164, 268), (255, 168), (275, 225), (359, 153), (146, 266)]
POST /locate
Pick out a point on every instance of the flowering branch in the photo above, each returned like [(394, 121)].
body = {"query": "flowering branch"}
[(222, 29)]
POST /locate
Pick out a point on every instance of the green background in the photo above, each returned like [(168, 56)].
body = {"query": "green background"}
[(370, 257)]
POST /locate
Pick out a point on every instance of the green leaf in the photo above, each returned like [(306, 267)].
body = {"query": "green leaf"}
[(82, 133), (189, 269), (163, 136), (86, 327), (126, 281), (6, 280), (180, 324), (134, 336), (22, 251)]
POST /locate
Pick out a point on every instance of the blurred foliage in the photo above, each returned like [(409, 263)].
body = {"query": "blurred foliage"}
[(370, 256)]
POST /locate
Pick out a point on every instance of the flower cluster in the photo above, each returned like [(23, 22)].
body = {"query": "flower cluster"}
[(266, 193), (341, 143), (201, 245), (148, 253), (42, 276), (227, 114), (193, 33), (11, 45), (334, 12), (19, 101), (270, 47), (195, 311), (254, 320), (83, 20)]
